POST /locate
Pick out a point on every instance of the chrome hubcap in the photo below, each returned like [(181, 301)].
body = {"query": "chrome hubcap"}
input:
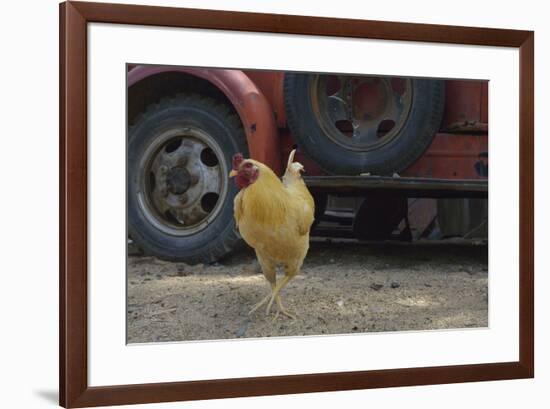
[(183, 181)]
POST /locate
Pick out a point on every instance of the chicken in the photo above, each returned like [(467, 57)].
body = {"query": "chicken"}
[(273, 217)]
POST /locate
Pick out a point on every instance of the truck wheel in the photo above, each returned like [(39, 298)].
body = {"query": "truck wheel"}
[(351, 125), (180, 201)]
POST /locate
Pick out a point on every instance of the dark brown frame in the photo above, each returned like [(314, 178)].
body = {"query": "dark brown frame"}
[(73, 382)]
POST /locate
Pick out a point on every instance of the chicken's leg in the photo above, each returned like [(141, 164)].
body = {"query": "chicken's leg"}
[(269, 271), (264, 300), (275, 296), (290, 271)]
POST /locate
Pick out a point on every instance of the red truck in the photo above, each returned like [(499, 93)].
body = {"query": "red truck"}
[(382, 140)]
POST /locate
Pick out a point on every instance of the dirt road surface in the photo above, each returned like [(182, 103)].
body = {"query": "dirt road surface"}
[(344, 287)]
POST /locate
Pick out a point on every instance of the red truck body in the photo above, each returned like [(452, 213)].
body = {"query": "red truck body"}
[(439, 148), (257, 96)]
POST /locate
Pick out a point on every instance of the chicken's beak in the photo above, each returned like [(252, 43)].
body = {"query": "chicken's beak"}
[(233, 173)]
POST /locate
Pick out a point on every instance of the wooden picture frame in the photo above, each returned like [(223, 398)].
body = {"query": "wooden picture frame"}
[(73, 330)]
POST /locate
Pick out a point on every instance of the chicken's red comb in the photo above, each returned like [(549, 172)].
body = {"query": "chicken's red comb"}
[(237, 160)]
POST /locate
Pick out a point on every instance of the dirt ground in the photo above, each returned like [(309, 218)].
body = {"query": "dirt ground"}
[(344, 287)]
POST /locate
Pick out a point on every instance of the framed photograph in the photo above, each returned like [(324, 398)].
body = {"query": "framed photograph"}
[(259, 204)]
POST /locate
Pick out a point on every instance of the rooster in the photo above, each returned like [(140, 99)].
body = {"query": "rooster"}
[(274, 218)]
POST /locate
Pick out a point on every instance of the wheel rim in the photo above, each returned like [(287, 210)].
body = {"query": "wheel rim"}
[(360, 113), (183, 181)]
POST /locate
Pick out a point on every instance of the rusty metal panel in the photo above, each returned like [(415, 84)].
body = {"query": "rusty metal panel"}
[(485, 102), (450, 156), (271, 85), (464, 106), (453, 156)]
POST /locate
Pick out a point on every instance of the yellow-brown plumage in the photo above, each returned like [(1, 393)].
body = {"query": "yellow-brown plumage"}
[(274, 218)]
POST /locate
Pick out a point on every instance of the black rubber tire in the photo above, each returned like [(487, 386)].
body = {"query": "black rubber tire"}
[(220, 237), (428, 97)]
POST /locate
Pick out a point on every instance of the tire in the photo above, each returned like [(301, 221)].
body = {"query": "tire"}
[(417, 127), (178, 150)]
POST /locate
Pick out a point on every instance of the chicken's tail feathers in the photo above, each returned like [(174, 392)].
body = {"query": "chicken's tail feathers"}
[(290, 158), (293, 169)]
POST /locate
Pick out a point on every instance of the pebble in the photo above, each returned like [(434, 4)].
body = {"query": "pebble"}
[(376, 287), (395, 285), (242, 330)]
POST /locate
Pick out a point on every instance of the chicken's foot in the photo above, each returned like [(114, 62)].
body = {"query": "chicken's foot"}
[(282, 310), (264, 300)]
